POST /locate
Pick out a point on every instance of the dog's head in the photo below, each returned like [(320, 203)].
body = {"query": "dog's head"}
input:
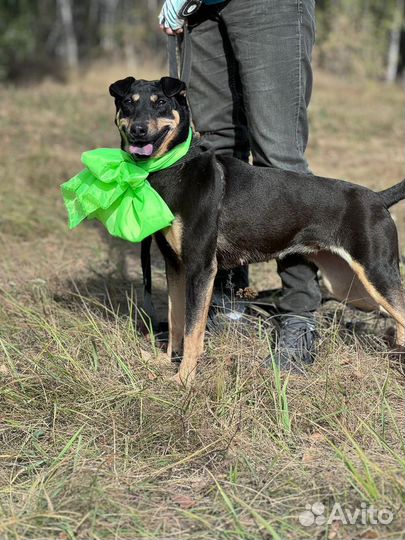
[(152, 116)]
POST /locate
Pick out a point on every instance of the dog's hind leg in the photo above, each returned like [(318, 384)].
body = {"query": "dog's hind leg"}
[(199, 286), (176, 286), (383, 283), (367, 285)]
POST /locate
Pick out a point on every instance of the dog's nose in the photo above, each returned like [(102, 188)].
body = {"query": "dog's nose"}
[(139, 130)]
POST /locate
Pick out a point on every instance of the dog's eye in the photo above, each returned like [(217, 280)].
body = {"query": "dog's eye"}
[(128, 101), (161, 102)]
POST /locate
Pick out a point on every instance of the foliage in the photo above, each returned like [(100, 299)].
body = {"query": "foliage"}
[(33, 34), (353, 35), (23, 30)]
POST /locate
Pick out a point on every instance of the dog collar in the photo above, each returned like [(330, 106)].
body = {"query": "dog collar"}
[(113, 189)]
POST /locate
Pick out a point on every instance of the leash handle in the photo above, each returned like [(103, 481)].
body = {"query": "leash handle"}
[(186, 55), (172, 51), (179, 53)]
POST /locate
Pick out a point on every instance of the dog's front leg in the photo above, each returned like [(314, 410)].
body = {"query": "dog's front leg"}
[(199, 285), (176, 286)]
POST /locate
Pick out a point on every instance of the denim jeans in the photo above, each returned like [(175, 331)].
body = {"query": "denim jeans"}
[(251, 82)]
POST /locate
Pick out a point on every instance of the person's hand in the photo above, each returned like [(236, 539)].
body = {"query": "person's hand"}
[(169, 20)]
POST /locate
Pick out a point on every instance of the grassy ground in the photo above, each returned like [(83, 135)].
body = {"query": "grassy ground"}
[(95, 443)]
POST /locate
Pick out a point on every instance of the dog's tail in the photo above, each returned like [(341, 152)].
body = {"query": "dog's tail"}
[(393, 194)]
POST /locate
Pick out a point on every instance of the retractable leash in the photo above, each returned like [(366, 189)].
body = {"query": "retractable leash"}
[(175, 44), (179, 53), (190, 7)]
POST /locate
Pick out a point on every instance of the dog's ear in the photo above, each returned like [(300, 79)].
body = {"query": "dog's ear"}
[(173, 87), (120, 88)]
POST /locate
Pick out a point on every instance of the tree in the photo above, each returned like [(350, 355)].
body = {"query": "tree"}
[(395, 39), (71, 48)]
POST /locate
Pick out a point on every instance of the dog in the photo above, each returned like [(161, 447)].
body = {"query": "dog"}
[(229, 213)]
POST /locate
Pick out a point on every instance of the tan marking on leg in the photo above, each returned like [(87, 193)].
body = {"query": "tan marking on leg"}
[(176, 285), (400, 334), (400, 338), (194, 341), (174, 235), (342, 282), (135, 97), (154, 98), (350, 290), (377, 296)]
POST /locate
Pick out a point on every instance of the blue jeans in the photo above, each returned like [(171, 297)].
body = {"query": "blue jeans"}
[(251, 82)]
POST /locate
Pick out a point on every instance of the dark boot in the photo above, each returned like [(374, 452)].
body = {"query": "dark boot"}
[(296, 343)]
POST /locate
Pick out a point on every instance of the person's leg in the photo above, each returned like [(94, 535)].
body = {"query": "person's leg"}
[(272, 41), (215, 93), (217, 108)]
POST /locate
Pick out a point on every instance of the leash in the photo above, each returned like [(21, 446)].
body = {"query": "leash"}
[(179, 54), (148, 306)]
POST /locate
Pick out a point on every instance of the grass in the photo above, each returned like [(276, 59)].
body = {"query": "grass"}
[(95, 442)]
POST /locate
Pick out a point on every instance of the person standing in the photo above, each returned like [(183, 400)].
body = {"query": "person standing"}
[(249, 90)]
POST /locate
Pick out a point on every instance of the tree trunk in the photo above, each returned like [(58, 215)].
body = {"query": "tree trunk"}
[(393, 51), (109, 16), (70, 50), (94, 9)]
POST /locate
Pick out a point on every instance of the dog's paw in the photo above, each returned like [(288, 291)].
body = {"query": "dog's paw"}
[(181, 379)]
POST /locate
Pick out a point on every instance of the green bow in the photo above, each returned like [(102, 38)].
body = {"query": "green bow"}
[(113, 189)]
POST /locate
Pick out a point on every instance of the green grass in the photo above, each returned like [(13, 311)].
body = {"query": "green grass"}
[(95, 442)]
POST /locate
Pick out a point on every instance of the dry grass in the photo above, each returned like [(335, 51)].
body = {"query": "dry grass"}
[(95, 443)]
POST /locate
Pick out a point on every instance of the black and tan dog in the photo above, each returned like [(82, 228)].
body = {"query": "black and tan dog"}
[(229, 213)]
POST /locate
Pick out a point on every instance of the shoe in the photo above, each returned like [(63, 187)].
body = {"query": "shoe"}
[(224, 311), (296, 344)]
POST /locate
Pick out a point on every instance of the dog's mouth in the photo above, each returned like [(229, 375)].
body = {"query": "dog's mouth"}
[(143, 149)]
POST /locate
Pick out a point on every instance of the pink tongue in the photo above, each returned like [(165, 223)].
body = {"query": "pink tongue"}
[(142, 150)]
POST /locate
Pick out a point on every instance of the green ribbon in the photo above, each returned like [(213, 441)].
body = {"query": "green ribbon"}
[(113, 189)]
